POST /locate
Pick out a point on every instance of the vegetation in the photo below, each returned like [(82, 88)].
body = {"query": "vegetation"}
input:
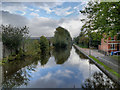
[(61, 54), (12, 37), (106, 67), (98, 81), (44, 44), (102, 18), (62, 38), (32, 48)]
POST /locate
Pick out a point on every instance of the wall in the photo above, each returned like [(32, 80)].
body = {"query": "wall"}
[(104, 45)]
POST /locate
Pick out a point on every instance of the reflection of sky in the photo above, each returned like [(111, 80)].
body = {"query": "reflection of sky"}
[(72, 73)]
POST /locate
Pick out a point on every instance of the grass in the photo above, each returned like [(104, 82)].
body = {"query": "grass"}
[(106, 67)]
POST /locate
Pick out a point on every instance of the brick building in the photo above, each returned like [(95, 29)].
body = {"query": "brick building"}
[(109, 45)]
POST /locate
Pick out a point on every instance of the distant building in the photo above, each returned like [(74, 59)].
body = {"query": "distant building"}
[(109, 45)]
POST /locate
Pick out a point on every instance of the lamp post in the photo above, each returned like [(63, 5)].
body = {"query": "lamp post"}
[(89, 44)]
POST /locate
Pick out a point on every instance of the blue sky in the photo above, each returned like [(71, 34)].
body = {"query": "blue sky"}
[(43, 17)]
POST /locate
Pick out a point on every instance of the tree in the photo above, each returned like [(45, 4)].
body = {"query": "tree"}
[(62, 38), (12, 37), (44, 44), (102, 18)]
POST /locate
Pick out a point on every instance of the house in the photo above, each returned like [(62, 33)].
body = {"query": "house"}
[(111, 44)]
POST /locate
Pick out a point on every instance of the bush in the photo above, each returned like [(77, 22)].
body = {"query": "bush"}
[(44, 44)]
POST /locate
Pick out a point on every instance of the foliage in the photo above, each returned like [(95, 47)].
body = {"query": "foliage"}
[(61, 38), (44, 44), (102, 18), (98, 81), (61, 55), (12, 37), (32, 48), (84, 41), (44, 58)]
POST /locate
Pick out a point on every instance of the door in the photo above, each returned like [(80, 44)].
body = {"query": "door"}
[(118, 47)]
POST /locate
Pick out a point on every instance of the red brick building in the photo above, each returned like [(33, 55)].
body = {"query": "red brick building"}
[(110, 44)]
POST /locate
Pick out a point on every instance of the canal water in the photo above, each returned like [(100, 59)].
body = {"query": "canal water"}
[(63, 68)]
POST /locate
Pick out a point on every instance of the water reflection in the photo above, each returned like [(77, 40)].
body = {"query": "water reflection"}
[(30, 73), (18, 72), (80, 54), (44, 57), (98, 80), (61, 54)]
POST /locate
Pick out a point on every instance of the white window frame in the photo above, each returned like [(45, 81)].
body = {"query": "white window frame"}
[(112, 46)]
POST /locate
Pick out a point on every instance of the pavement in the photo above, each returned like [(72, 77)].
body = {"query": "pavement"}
[(107, 60)]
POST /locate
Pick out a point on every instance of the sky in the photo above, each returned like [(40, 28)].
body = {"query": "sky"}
[(43, 18)]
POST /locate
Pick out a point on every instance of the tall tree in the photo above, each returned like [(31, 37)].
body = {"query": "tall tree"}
[(102, 18), (12, 37), (61, 38), (44, 44)]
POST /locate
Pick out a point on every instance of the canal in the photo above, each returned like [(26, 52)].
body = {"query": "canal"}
[(63, 68)]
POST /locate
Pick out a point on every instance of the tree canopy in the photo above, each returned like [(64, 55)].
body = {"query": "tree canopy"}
[(102, 18), (12, 37), (61, 38), (44, 44)]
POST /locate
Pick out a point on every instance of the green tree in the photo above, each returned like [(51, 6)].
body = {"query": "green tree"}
[(102, 18), (44, 44), (62, 38), (12, 37)]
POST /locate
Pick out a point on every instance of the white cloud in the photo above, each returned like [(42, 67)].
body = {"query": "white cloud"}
[(37, 10), (34, 14), (13, 7), (42, 26), (47, 9), (31, 9), (73, 25), (13, 19), (39, 26), (62, 11)]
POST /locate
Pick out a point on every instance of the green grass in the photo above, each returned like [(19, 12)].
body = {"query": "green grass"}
[(106, 67)]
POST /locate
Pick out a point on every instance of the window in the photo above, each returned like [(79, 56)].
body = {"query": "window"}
[(112, 46), (112, 38)]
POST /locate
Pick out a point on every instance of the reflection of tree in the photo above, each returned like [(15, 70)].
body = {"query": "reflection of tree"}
[(61, 55), (98, 80), (17, 73), (44, 58), (82, 56)]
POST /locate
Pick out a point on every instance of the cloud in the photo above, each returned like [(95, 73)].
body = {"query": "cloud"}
[(39, 26), (13, 19), (62, 11), (73, 25), (12, 7), (42, 26), (34, 14)]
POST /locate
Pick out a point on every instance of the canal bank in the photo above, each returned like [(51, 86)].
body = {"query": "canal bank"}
[(102, 67)]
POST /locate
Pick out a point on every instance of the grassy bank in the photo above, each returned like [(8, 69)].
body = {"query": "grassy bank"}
[(106, 67)]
